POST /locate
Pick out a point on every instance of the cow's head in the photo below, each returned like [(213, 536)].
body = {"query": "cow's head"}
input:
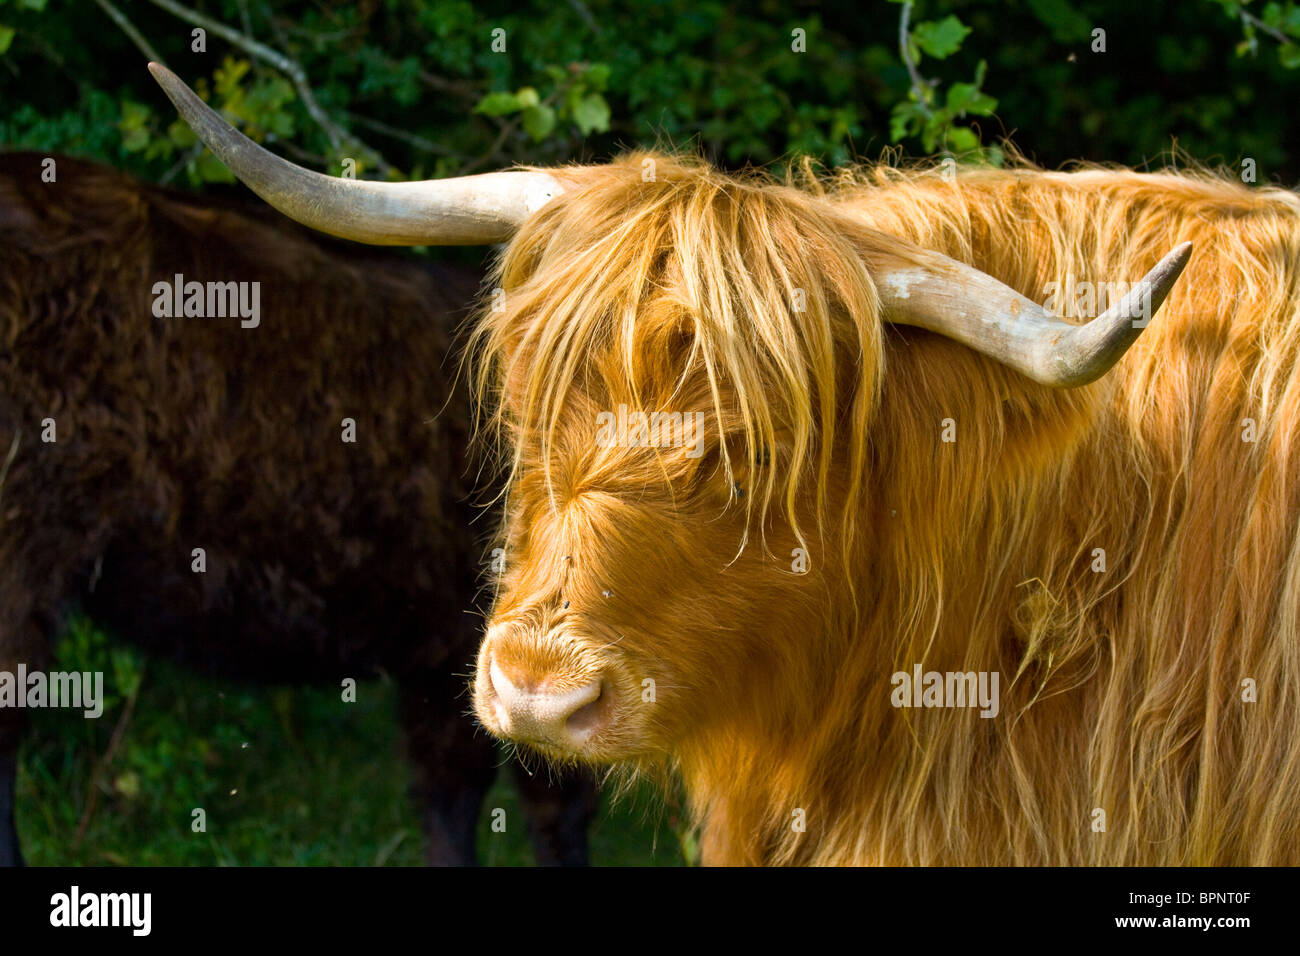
[(665, 368), (681, 368)]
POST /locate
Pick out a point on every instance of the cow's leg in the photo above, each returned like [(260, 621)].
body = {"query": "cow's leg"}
[(559, 806), (10, 853), (17, 646), (455, 764)]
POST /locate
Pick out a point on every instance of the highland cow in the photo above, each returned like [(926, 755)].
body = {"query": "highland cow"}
[(915, 479), (240, 445)]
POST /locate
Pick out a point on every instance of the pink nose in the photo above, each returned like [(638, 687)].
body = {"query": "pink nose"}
[(560, 718)]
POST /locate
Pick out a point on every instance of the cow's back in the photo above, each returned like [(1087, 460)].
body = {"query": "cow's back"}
[(175, 433), (1128, 552)]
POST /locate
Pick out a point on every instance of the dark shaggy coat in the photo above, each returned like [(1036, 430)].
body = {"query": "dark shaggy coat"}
[(325, 559)]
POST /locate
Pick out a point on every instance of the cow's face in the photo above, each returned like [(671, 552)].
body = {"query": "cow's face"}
[(665, 365), (628, 612)]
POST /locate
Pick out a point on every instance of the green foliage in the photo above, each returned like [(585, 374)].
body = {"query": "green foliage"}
[(1278, 23), (938, 38), (1063, 19), (7, 33), (416, 89), (258, 105), (574, 97), (926, 114), (284, 775)]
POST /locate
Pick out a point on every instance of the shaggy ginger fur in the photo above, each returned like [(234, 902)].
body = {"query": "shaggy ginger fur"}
[(1121, 689)]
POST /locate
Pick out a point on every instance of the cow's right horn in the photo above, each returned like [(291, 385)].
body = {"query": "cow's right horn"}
[(964, 304), (466, 210)]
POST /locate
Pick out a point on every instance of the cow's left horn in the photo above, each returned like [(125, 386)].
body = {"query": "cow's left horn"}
[(466, 210), (971, 307)]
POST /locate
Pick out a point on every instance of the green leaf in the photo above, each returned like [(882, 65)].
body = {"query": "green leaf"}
[(134, 140), (160, 146), (126, 671), (212, 170), (592, 114), (573, 95), (498, 104), (597, 76), (1066, 24), (967, 98), (527, 97), (959, 94), (227, 77), (936, 128), (903, 120), (961, 140), (180, 133), (1289, 55), (538, 121), (134, 115), (6, 37), (940, 38), (134, 126)]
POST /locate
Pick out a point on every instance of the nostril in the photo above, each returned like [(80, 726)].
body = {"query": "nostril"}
[(528, 706), (502, 684), (591, 715)]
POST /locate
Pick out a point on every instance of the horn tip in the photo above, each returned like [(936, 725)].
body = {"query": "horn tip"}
[(1168, 269), (1176, 259), (169, 81)]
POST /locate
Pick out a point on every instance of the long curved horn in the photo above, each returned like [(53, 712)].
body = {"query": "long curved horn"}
[(971, 307), (466, 210)]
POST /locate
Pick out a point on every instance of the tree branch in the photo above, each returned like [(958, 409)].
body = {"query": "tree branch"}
[(1263, 27), (459, 87), (285, 64), (585, 14), (411, 139), (920, 86), (127, 27)]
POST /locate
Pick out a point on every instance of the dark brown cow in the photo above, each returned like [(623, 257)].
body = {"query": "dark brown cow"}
[(325, 558)]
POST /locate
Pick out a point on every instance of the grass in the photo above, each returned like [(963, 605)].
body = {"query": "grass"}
[(284, 776)]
